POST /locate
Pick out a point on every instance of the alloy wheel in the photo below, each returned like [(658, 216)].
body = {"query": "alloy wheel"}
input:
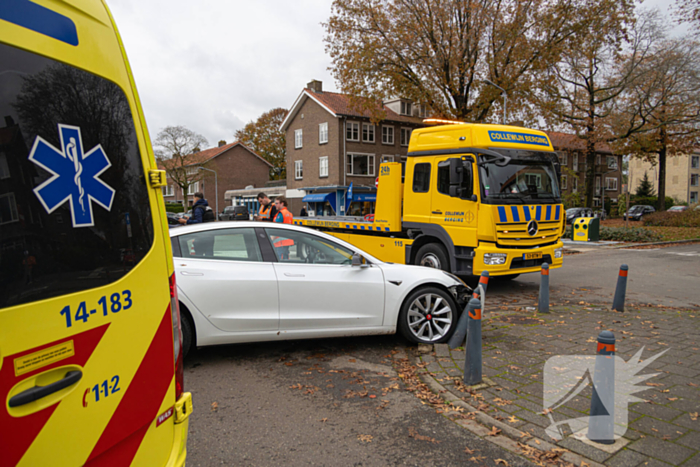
[(429, 317)]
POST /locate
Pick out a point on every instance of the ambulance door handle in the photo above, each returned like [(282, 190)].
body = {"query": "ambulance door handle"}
[(37, 392), (289, 274)]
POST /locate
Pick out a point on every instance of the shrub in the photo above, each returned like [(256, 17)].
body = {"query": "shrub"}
[(650, 201), (689, 218), (174, 207), (629, 235)]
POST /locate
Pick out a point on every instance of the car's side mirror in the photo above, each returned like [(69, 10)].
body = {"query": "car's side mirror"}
[(359, 261)]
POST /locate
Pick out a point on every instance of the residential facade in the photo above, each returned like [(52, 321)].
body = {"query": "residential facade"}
[(234, 166), (682, 176), (572, 156), (330, 146)]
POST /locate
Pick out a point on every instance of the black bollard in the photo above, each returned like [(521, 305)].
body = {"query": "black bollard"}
[(621, 289), (543, 306), (472, 361), (601, 425), (483, 282)]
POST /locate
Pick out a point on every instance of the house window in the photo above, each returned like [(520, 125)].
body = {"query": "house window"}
[(533, 180), (193, 188), (298, 138), (422, 111), (612, 162), (563, 158), (405, 136), (597, 159), (367, 133), (694, 179), (352, 131), (610, 184), (322, 166), (386, 158), (596, 202), (4, 169), (360, 164), (406, 108), (298, 170), (387, 134), (192, 170), (693, 197), (322, 133), (597, 185), (421, 178), (695, 162), (564, 180), (575, 158), (168, 190), (574, 184), (8, 209)]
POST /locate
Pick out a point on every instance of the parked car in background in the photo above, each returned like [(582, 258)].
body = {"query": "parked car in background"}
[(574, 213), (677, 209), (173, 217), (235, 213), (252, 282), (637, 212)]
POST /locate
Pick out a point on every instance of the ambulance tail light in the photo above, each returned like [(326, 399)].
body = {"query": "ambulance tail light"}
[(177, 340)]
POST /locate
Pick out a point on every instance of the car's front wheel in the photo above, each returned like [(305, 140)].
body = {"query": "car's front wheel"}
[(428, 315)]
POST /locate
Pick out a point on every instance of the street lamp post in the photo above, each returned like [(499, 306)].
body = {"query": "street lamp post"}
[(505, 98), (216, 188)]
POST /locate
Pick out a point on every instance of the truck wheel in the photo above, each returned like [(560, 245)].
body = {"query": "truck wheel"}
[(428, 315), (432, 255)]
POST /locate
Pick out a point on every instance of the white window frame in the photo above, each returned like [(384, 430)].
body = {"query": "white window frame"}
[(610, 186), (168, 190), (564, 182), (298, 170), (406, 108), (370, 132), (405, 136), (564, 158), (695, 162), (298, 138), (13, 208), (598, 182), (323, 166), (4, 168), (323, 133), (355, 126), (385, 135), (191, 170), (612, 159), (387, 158), (193, 188), (575, 163), (370, 164), (697, 179), (574, 185), (598, 159)]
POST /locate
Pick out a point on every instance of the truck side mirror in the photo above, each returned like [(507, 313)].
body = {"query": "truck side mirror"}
[(460, 178)]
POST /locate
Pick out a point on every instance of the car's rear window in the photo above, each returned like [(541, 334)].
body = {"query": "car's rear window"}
[(74, 209)]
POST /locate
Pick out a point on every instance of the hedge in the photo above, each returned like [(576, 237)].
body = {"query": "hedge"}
[(689, 218), (620, 234), (174, 207)]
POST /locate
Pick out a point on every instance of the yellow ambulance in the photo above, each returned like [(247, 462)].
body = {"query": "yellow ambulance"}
[(90, 342)]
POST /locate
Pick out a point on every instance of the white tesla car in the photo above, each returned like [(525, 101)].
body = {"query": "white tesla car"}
[(253, 282)]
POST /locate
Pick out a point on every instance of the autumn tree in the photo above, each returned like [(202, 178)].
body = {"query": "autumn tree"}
[(664, 106), (598, 64), (172, 146), (688, 11), (265, 138), (438, 52)]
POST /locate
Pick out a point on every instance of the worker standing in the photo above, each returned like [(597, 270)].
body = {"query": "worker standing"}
[(283, 217)]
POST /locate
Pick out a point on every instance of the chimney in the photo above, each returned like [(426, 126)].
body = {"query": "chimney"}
[(222, 143), (9, 121), (315, 85)]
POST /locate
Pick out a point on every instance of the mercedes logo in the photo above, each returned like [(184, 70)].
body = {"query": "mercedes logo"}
[(532, 228)]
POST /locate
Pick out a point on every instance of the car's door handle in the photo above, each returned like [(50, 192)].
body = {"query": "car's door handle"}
[(437, 212), (187, 273), (37, 392), (289, 274)]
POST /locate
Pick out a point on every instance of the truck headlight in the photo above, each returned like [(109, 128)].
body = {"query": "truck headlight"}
[(495, 258), (558, 252)]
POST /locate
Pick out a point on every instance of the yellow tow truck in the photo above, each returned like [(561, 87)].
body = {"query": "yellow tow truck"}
[(474, 197)]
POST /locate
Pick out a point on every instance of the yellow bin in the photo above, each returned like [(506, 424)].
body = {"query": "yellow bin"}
[(586, 229)]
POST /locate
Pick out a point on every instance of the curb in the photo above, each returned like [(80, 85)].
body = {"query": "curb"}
[(509, 442), (692, 240)]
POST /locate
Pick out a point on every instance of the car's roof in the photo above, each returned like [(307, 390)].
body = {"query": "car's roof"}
[(192, 228)]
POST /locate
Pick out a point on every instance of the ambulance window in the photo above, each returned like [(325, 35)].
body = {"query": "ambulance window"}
[(74, 204), (421, 178)]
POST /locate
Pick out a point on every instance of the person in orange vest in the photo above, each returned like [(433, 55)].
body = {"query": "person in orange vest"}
[(267, 211), (283, 217)]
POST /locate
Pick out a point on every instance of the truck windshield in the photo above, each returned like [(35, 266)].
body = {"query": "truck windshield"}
[(529, 177)]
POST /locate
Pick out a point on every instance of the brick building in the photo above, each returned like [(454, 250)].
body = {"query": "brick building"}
[(331, 145), (572, 155), (236, 167), (682, 176)]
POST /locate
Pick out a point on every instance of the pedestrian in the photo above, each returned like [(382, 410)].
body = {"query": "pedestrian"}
[(283, 217), (267, 211), (303, 212), (199, 208)]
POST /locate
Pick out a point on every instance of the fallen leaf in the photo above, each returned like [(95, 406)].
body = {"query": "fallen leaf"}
[(324, 420), (513, 419), (468, 451), (494, 431), (672, 398), (365, 438), (352, 360), (214, 406), (693, 416), (477, 458), (501, 461)]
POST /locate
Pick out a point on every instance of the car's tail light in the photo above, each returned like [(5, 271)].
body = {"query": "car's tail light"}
[(177, 340)]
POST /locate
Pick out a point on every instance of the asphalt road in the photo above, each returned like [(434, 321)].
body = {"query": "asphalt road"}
[(303, 402), (665, 276)]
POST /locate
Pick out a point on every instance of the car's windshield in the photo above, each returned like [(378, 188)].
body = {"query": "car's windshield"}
[(573, 210), (636, 208), (528, 176)]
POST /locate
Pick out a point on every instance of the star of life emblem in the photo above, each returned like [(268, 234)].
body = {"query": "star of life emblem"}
[(75, 176)]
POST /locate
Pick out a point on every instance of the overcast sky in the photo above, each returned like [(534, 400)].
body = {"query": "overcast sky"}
[(214, 65)]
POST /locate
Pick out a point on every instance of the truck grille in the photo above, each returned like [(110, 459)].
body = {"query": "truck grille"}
[(516, 234), (519, 263)]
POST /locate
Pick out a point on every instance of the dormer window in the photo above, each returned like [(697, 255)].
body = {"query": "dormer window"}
[(406, 108)]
